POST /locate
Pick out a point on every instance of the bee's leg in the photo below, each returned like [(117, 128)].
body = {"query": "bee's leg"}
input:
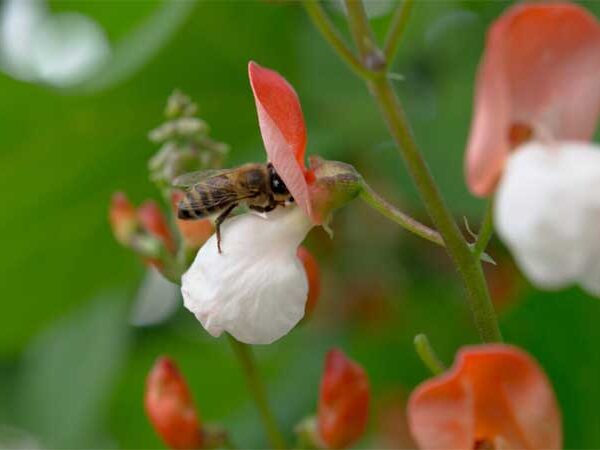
[(219, 221)]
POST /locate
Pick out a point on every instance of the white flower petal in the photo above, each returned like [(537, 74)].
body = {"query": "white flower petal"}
[(257, 288), (547, 211)]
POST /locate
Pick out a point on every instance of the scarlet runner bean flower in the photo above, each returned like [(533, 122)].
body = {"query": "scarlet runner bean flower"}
[(170, 407), (257, 288), (537, 104), (343, 410), (494, 397)]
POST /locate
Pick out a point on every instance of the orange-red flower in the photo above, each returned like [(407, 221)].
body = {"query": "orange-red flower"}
[(313, 275), (170, 407), (343, 410), (495, 396), (538, 79)]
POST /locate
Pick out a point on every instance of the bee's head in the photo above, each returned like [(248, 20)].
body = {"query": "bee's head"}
[(278, 187)]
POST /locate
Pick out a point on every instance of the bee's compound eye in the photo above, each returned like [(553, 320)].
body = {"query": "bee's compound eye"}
[(277, 185)]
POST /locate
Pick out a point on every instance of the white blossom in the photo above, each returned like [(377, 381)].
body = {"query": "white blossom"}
[(547, 211), (256, 289)]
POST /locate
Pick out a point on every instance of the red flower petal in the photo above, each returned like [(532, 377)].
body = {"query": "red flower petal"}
[(283, 131), (313, 275), (155, 223), (539, 75), (494, 394), (343, 402)]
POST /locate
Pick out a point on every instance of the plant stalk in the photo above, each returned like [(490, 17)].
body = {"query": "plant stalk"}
[(396, 31), (257, 389), (467, 264), (375, 201)]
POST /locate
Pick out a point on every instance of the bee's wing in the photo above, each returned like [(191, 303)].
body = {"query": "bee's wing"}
[(189, 179), (218, 199)]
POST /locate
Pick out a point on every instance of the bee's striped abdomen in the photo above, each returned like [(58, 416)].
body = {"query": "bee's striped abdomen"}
[(202, 200)]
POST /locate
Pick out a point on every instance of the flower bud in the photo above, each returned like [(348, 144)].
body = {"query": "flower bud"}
[(335, 184), (344, 401), (194, 232), (154, 223), (313, 275), (122, 217), (170, 407)]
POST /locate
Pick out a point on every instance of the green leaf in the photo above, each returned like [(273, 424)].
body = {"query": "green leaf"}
[(68, 374)]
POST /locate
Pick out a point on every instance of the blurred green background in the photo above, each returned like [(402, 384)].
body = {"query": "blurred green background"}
[(72, 366)]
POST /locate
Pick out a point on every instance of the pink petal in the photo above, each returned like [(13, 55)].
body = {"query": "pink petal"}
[(283, 131), (494, 393), (540, 72)]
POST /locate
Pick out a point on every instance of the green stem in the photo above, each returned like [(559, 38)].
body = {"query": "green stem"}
[(378, 203), (428, 355), (468, 266), (363, 35), (397, 27), (331, 35), (486, 231), (257, 389)]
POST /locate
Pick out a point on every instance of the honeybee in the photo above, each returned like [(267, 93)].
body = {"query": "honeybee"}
[(209, 192)]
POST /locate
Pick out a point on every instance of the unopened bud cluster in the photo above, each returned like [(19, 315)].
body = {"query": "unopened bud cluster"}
[(163, 240), (185, 142)]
